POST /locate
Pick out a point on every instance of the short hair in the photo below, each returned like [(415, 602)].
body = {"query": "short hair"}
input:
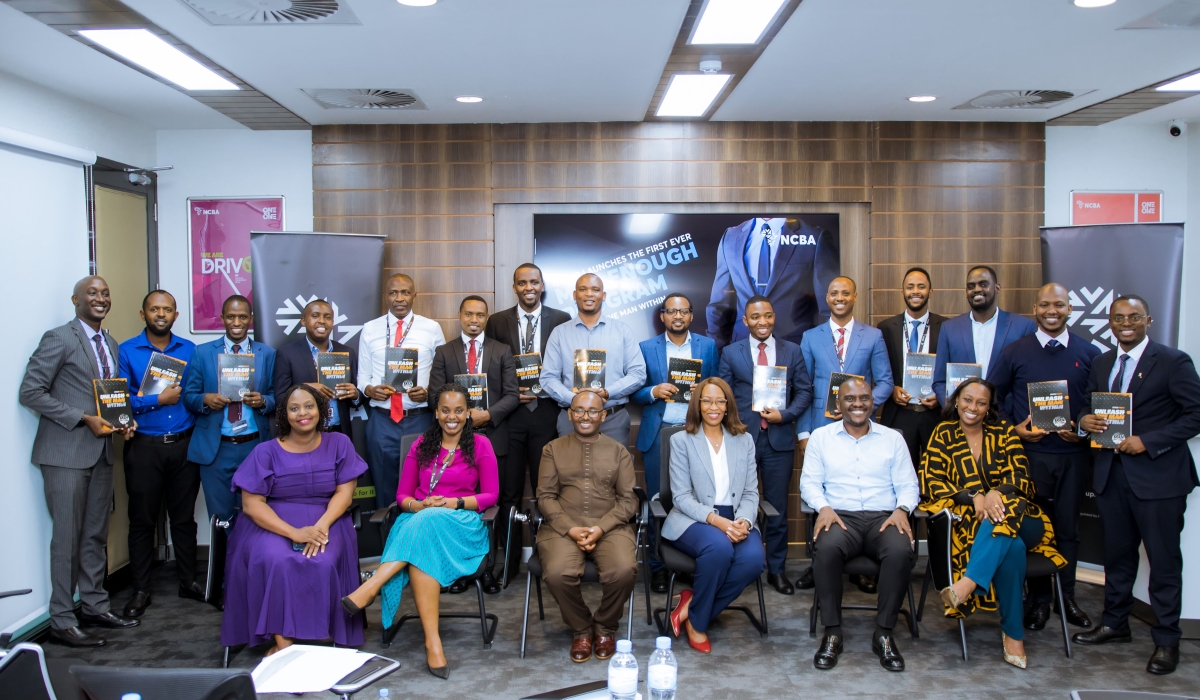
[(757, 298), (922, 270), (850, 378), (1132, 297), (527, 266), (159, 291), (472, 297), (233, 298), (674, 295), (848, 278), (406, 276), (318, 300), (986, 268)]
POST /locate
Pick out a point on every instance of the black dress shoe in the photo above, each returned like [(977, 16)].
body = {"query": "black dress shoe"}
[(75, 637), (806, 580), (827, 654), (490, 585), (781, 583), (1103, 635), (868, 584), (459, 586), (107, 620), (659, 580), (191, 591), (889, 656), (1075, 614), (1163, 660), (136, 607), (1037, 616)]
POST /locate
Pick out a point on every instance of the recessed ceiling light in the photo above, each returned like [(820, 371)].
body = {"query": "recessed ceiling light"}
[(922, 98), (691, 95), (1092, 3), (734, 21), (417, 3), (645, 223), (1189, 83), (157, 56), (470, 99)]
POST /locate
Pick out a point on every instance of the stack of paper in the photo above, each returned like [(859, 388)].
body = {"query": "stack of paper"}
[(306, 669)]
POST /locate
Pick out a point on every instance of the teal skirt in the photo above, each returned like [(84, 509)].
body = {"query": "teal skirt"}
[(443, 543)]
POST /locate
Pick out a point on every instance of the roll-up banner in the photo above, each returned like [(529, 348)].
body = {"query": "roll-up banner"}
[(1098, 264), (290, 269)]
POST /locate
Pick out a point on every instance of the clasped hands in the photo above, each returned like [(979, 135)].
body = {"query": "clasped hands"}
[(735, 530), (902, 397), (1131, 445), (314, 538), (989, 505), (434, 502), (585, 537), (344, 390)]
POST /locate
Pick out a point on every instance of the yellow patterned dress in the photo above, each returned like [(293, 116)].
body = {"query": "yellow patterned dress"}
[(948, 469)]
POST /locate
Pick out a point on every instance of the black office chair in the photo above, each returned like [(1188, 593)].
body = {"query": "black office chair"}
[(533, 519), (109, 683), (675, 561), (25, 672), (863, 566), (386, 517), (938, 572)]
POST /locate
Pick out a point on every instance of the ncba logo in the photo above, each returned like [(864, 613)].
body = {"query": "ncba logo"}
[(205, 212), (1089, 310), (288, 316)]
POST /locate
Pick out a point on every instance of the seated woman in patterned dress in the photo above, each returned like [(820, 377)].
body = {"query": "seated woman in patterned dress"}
[(449, 478), (975, 467)]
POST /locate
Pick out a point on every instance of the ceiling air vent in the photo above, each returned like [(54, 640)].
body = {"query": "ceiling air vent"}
[(272, 12), (1181, 14), (366, 99), (1017, 99)]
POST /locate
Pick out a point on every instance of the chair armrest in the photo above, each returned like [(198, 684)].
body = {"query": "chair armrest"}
[(489, 515), (766, 508), (804, 508), (657, 511), (23, 591), (355, 511), (919, 514), (381, 514)]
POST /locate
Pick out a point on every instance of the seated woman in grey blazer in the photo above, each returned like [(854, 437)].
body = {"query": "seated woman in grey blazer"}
[(714, 494)]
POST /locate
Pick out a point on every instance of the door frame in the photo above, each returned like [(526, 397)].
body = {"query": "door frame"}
[(115, 176)]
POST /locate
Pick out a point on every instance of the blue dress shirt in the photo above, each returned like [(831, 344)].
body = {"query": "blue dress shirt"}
[(247, 412), (152, 418), (871, 473), (754, 246), (624, 370)]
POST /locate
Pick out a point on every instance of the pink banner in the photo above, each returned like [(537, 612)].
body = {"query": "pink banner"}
[(219, 251)]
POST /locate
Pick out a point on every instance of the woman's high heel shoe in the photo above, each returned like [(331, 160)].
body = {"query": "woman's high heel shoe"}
[(949, 598), (352, 608), (685, 596), (442, 672), (704, 647), (1018, 661)]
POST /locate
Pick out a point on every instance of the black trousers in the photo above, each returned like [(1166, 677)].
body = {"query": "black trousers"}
[(916, 427), (155, 472), (528, 434), (1129, 521), (833, 548), (1059, 480)]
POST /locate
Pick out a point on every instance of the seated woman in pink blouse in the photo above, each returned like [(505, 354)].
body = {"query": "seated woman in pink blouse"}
[(449, 478)]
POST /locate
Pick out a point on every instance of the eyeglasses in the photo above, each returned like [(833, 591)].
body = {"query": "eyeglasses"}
[(719, 403), (1118, 319), (592, 413), (677, 312)]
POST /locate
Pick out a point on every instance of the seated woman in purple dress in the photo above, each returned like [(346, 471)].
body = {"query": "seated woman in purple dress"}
[(293, 552), (449, 478)]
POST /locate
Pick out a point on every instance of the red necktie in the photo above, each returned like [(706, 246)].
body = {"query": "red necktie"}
[(762, 360), (235, 409), (472, 359), (841, 346), (397, 408)]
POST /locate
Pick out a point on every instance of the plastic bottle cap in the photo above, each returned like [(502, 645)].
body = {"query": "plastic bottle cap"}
[(624, 646), (662, 643), (383, 692), (131, 696)]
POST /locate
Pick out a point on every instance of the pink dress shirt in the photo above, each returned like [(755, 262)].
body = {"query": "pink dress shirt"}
[(458, 481)]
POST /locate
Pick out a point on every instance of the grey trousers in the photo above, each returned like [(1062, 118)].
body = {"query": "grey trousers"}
[(79, 501)]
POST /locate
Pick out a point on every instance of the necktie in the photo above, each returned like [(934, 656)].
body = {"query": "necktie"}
[(762, 360), (397, 399), (528, 347), (1053, 346), (1119, 380), (764, 258), (105, 371), (235, 409), (841, 347), (472, 359), (913, 340)]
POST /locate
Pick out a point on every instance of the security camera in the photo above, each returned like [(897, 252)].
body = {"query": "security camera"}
[(138, 178), (1178, 128)]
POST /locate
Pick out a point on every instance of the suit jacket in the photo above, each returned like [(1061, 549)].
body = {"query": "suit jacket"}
[(58, 385), (503, 326), (294, 365), (694, 483), (893, 340), (200, 378), (737, 369), (866, 356), (808, 259), (1166, 414), (957, 344), (654, 352), (496, 361)]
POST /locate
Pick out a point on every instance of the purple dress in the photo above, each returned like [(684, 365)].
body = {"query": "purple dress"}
[(272, 589)]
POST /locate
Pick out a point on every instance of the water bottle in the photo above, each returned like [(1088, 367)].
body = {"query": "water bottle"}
[(131, 696), (623, 672), (662, 671)]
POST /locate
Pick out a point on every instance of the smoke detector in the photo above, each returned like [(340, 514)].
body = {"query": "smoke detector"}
[(366, 99), (1181, 14), (1017, 99), (272, 12)]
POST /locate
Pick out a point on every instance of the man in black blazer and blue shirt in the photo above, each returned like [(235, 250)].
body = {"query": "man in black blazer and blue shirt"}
[(1142, 486), (774, 430), (296, 363)]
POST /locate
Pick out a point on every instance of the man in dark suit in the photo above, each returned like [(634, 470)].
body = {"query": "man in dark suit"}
[(475, 353), (774, 430), (296, 363), (226, 431), (785, 260), (1142, 486), (74, 448), (914, 330), (978, 336), (525, 328)]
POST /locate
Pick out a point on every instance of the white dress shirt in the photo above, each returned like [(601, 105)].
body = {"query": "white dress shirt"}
[(1043, 337), (849, 328), (720, 465), (871, 473), (478, 352), (675, 413), (378, 335), (984, 337), (1135, 356), (920, 331), (91, 336), (523, 324)]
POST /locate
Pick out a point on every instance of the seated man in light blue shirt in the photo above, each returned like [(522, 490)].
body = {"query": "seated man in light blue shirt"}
[(859, 477)]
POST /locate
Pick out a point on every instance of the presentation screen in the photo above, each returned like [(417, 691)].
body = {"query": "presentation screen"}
[(717, 260)]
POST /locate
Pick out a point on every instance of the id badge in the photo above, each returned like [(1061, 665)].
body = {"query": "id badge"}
[(240, 426)]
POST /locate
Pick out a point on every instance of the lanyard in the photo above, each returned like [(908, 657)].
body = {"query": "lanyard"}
[(435, 477), (527, 348), (403, 337), (924, 334)]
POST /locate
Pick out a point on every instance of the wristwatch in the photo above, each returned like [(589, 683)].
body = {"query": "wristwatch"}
[(460, 504), (905, 509)]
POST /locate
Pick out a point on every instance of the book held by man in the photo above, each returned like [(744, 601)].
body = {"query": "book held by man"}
[(1117, 409), (112, 401), (770, 387), (1048, 405), (400, 368), (589, 369), (333, 368), (683, 373), (476, 386), (835, 383), (529, 372), (235, 375), (162, 373), (959, 372), (918, 375)]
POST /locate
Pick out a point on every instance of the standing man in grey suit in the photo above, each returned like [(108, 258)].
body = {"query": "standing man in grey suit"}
[(74, 448)]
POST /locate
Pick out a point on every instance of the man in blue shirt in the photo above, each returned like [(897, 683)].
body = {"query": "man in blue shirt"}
[(156, 464)]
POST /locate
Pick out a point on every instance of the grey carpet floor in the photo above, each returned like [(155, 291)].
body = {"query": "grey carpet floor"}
[(177, 632)]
